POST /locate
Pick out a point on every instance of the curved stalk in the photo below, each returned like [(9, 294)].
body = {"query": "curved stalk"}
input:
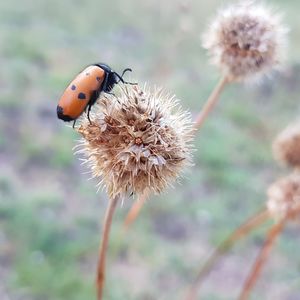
[(261, 259), (104, 245), (240, 232), (211, 102), (134, 211)]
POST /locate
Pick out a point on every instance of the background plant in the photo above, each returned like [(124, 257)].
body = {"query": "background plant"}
[(282, 207)]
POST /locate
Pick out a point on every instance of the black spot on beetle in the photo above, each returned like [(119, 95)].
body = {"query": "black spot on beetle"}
[(98, 78), (73, 87), (87, 73), (81, 96)]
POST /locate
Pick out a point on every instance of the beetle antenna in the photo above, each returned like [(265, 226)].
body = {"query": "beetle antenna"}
[(126, 70), (121, 77)]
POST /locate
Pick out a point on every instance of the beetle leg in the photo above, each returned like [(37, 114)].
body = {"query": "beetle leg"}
[(88, 114), (104, 85), (110, 93), (74, 124), (92, 101)]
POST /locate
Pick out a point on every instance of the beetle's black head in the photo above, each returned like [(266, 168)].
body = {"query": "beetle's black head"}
[(105, 67), (112, 77)]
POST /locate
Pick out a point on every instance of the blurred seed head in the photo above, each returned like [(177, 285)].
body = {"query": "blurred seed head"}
[(286, 147), (139, 141), (246, 40), (284, 198)]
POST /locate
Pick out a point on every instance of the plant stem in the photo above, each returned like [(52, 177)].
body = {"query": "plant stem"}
[(211, 101), (134, 211), (240, 232), (261, 259), (104, 244)]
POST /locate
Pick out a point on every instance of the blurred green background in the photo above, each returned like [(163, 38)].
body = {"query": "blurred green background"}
[(51, 216)]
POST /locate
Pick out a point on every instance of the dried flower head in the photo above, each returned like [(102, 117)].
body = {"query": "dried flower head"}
[(246, 40), (284, 198), (139, 141), (286, 147)]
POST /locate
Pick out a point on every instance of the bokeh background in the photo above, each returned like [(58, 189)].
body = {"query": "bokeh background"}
[(51, 215)]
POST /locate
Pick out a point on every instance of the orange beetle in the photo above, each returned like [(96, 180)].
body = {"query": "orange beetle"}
[(84, 91)]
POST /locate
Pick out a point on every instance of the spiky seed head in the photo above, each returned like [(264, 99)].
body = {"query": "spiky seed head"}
[(284, 198), (139, 141), (246, 40), (286, 147)]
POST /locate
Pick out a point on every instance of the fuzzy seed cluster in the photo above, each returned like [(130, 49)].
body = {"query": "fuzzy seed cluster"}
[(138, 142), (246, 41), (286, 147), (284, 198)]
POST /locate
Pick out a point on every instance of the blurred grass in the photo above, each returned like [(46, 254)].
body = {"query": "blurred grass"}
[(50, 216)]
